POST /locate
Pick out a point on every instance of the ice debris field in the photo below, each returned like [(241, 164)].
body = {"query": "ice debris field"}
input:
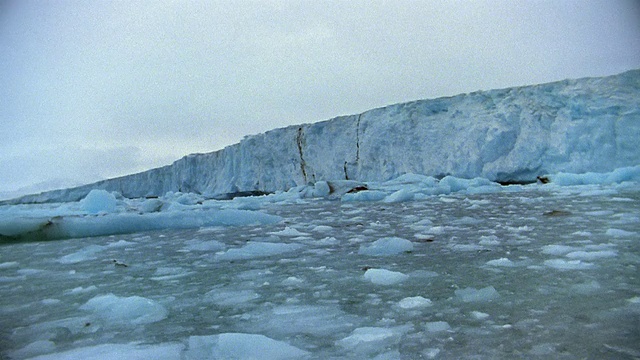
[(410, 268)]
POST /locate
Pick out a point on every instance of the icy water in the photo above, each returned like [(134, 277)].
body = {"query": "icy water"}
[(527, 274)]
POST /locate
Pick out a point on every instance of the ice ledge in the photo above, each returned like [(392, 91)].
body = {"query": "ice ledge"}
[(508, 135)]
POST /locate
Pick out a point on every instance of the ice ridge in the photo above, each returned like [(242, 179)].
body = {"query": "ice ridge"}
[(506, 135)]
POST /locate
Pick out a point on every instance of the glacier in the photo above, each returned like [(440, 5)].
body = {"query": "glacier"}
[(508, 136)]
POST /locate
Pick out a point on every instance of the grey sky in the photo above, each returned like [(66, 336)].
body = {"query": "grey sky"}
[(95, 89)]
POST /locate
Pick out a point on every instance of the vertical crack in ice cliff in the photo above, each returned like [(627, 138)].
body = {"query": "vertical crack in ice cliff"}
[(358, 139), (300, 143), (355, 163)]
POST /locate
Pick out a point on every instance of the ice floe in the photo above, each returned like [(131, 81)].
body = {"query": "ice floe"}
[(240, 346), (125, 311), (386, 246), (384, 277), (470, 294)]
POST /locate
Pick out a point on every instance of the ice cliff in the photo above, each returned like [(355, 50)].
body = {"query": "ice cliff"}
[(508, 135)]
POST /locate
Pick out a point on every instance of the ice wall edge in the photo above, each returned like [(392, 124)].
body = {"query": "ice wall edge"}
[(506, 135)]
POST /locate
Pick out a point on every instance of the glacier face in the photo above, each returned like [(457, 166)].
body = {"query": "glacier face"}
[(505, 135)]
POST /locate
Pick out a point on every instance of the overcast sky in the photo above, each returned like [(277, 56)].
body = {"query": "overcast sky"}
[(97, 89)]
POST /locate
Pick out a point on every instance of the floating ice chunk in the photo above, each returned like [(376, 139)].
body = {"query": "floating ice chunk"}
[(591, 255), (599, 213), (120, 243), (587, 288), (399, 196), (74, 226), (562, 264), (29, 271), (423, 274), (322, 228), (546, 349), (133, 351), (503, 262), (225, 297), (478, 315), (431, 353), (450, 184), (365, 195), (50, 301), (98, 201), (518, 229), (389, 355), (170, 273), (17, 225), (171, 277), (169, 270), (485, 294), (424, 222), (321, 189), (257, 250), (292, 281), (414, 302), (369, 340), (254, 275), (125, 311), (466, 220), (35, 348), (412, 178), (557, 249), (237, 346), (598, 247), (619, 175), (619, 233), (12, 278), (87, 253), (316, 320), (437, 326), (330, 240), (438, 230), (386, 246), (209, 245), (189, 199), (581, 233), (634, 300), (627, 218), (9, 265), (366, 334), (81, 290), (466, 247), (151, 205), (490, 240), (384, 277), (288, 231)]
